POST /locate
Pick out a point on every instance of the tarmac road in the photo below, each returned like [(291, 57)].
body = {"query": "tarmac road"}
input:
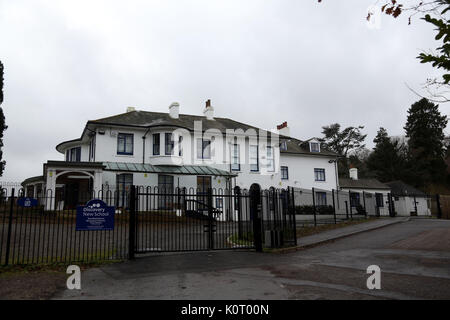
[(414, 258)]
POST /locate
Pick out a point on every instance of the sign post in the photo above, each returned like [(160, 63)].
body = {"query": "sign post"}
[(95, 216)]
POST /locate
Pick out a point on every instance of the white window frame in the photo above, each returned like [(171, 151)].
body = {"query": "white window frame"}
[(254, 159), (270, 159)]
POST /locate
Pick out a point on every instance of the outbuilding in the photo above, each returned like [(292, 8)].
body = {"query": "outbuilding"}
[(409, 201)]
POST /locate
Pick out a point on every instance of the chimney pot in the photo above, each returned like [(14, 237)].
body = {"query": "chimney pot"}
[(353, 172), (174, 110), (209, 111)]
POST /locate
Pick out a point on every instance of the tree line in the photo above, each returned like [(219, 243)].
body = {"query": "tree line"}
[(419, 158)]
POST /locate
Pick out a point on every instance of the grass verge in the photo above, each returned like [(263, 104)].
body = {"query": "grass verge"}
[(38, 281)]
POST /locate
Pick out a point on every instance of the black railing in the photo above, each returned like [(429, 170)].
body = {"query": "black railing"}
[(153, 219)]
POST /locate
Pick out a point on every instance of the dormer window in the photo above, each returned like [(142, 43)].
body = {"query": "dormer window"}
[(314, 146)]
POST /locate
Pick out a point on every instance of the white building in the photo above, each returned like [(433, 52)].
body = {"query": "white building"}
[(176, 150), (368, 193), (408, 201)]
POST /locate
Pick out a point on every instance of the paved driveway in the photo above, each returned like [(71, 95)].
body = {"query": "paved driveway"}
[(414, 258)]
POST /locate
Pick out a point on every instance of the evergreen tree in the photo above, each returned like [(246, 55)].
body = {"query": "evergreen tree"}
[(388, 161), (3, 126), (425, 129)]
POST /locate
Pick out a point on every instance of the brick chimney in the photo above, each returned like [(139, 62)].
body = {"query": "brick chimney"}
[(283, 129)]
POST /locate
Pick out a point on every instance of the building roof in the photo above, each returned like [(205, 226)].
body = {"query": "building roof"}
[(33, 180), (148, 168), (296, 146), (148, 119), (399, 188), (74, 164), (156, 119), (362, 184)]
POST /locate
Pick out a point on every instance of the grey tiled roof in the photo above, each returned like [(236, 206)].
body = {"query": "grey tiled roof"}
[(148, 119), (399, 188), (362, 184), (296, 146)]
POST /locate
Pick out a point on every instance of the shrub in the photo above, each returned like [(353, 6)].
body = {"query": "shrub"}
[(308, 209)]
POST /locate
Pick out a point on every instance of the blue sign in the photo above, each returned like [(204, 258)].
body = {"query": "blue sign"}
[(27, 202), (95, 216)]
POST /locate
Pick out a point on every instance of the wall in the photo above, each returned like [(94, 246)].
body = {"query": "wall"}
[(301, 172), (301, 167), (405, 205), (384, 211)]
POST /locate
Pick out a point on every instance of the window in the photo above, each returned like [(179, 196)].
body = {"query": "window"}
[(125, 143), (73, 155), (254, 161), (203, 149), (156, 144), (284, 173), (315, 147), (379, 199), (235, 165), (319, 174), (169, 144), (354, 199), (180, 148), (283, 146), (92, 149), (270, 160), (124, 183), (321, 199)]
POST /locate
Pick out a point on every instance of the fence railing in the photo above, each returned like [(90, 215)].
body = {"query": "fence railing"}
[(168, 219)]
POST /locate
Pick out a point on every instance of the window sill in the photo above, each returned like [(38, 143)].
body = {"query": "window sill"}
[(125, 155)]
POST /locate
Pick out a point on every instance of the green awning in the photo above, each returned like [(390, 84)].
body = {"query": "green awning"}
[(148, 168)]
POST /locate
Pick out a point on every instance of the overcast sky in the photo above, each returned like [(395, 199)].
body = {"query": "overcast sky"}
[(260, 62)]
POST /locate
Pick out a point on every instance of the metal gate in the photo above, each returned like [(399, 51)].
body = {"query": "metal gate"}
[(180, 219)]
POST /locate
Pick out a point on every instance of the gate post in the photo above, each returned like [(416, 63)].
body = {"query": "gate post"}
[(415, 205), (334, 206), (255, 214), (8, 239), (439, 209), (294, 216), (210, 217), (364, 202), (391, 206), (314, 206), (237, 194), (132, 224), (350, 204)]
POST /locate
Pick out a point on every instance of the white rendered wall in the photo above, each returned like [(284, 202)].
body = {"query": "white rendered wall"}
[(301, 172), (384, 211), (405, 205)]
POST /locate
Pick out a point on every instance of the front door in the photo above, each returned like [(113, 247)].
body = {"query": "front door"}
[(166, 192), (203, 185), (71, 194)]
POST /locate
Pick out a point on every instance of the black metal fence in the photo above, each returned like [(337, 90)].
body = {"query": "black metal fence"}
[(151, 219)]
